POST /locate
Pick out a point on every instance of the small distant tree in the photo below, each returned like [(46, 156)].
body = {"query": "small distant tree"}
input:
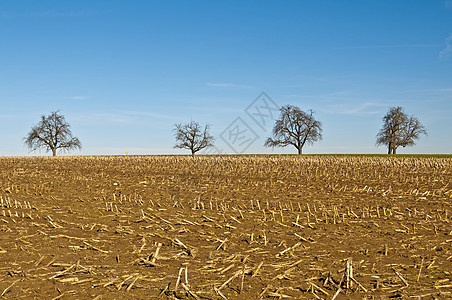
[(192, 136), (295, 127), (399, 129), (52, 133)]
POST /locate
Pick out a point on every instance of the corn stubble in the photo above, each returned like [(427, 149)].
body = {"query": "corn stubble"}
[(225, 227)]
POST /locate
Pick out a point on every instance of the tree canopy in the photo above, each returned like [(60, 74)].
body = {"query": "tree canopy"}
[(192, 136), (295, 127), (399, 129), (52, 133)]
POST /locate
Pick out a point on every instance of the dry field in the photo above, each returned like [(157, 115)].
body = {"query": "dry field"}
[(247, 227)]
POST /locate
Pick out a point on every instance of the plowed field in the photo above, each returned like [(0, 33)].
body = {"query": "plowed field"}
[(217, 227)]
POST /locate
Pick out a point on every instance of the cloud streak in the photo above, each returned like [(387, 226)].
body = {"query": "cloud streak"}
[(366, 108), (79, 98), (227, 85), (391, 46), (447, 51), (119, 117), (44, 14), (149, 114), (432, 91)]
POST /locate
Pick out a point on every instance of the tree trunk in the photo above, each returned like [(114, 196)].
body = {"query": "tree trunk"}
[(300, 150), (193, 152), (394, 150), (389, 148), (54, 150)]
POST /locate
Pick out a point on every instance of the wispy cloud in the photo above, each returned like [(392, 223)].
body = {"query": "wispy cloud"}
[(79, 98), (102, 117), (365, 108), (129, 150), (390, 46), (337, 95), (226, 85), (119, 117), (10, 116), (47, 13), (148, 114), (217, 109), (447, 51), (432, 91), (344, 149)]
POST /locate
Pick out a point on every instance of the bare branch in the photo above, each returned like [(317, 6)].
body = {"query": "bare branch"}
[(399, 129), (295, 127), (52, 133), (192, 136)]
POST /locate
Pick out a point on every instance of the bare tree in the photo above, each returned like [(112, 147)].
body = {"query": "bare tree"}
[(399, 129), (52, 133), (295, 127), (193, 137)]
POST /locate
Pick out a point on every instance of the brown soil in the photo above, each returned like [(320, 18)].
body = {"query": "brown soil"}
[(234, 227)]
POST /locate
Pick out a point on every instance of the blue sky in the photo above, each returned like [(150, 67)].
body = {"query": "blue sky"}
[(124, 72)]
